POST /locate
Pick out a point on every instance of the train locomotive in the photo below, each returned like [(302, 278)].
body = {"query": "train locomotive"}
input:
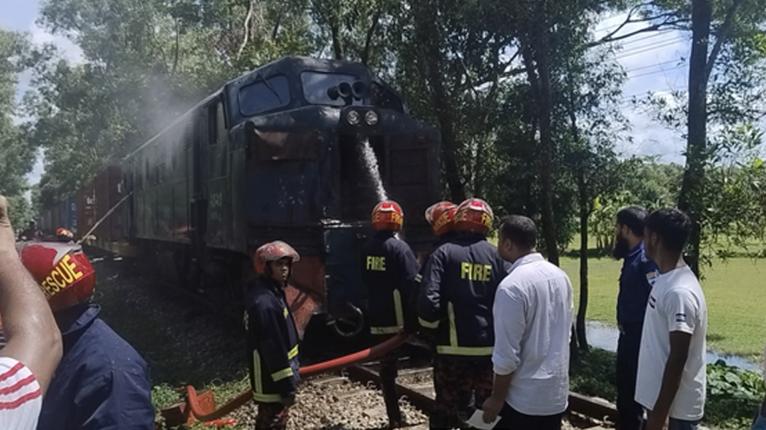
[(299, 150)]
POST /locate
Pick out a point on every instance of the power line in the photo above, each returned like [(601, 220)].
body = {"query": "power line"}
[(653, 65), (648, 48), (656, 72), (657, 43), (657, 33)]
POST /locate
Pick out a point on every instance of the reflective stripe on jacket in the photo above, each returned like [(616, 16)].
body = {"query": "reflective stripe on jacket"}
[(457, 294), (389, 271), (272, 342)]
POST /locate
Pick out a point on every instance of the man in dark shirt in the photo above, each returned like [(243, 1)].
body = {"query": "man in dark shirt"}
[(636, 279)]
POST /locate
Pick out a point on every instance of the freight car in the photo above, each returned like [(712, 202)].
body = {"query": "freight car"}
[(299, 150)]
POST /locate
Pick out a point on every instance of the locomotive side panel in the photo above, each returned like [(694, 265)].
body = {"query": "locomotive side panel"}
[(160, 186)]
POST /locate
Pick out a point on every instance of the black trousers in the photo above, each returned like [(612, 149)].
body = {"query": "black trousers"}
[(388, 372), (630, 413), (512, 419)]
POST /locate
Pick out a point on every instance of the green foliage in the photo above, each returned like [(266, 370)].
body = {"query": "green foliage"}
[(164, 396), (16, 157), (640, 181), (733, 396), (594, 374)]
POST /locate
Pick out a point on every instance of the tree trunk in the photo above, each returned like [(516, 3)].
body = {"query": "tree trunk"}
[(583, 306), (537, 63), (692, 187), (428, 37)]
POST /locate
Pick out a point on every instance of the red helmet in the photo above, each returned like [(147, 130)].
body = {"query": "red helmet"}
[(273, 251), (62, 270), (387, 215), (474, 215), (441, 217), (64, 234)]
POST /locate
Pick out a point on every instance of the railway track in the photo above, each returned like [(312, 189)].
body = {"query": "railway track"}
[(416, 385)]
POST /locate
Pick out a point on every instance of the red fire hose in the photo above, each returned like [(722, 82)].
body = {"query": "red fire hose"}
[(205, 410)]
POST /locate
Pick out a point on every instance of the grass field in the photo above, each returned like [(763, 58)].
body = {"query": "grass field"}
[(735, 291)]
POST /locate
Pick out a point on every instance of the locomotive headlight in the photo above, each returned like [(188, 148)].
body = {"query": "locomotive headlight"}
[(371, 118), (353, 117)]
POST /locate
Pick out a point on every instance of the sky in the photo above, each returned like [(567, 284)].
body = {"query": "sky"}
[(656, 64)]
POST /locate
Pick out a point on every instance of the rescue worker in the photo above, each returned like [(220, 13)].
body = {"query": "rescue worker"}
[(64, 235), (101, 381), (271, 335), (456, 300), (389, 270), (441, 218)]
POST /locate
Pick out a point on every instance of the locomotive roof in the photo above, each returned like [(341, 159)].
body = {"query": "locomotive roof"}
[(289, 65)]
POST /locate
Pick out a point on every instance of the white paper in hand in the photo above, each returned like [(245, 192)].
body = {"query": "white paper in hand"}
[(477, 421)]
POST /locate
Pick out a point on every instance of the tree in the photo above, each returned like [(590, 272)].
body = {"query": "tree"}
[(724, 37), (16, 157), (591, 94), (145, 63)]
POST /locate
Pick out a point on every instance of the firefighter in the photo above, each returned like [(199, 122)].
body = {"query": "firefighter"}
[(101, 381), (389, 269), (441, 217), (64, 235), (271, 335), (456, 302)]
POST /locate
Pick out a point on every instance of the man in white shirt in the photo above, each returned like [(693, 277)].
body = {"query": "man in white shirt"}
[(532, 319), (33, 348), (671, 362)]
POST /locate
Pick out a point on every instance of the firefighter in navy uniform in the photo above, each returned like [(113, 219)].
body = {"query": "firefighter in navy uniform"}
[(441, 217), (64, 235), (389, 269), (101, 381), (456, 302), (271, 335)]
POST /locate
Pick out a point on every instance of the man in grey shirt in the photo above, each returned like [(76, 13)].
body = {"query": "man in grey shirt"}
[(532, 319)]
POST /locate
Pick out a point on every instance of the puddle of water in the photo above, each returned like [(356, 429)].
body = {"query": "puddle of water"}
[(604, 336), (370, 163)]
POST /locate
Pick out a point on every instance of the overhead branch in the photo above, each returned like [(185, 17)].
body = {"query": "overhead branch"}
[(667, 24), (721, 37), (370, 34), (248, 19), (277, 25)]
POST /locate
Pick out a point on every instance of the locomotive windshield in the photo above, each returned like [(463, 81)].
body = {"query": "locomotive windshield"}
[(316, 84), (264, 95)]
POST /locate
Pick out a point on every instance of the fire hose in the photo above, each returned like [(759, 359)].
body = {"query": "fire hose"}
[(201, 410)]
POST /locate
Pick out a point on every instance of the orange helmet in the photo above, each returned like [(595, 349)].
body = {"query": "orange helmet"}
[(273, 251), (64, 234), (441, 216), (387, 215), (62, 270), (474, 215)]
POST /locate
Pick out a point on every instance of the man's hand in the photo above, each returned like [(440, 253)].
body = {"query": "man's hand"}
[(7, 238), (491, 408), (655, 422)]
